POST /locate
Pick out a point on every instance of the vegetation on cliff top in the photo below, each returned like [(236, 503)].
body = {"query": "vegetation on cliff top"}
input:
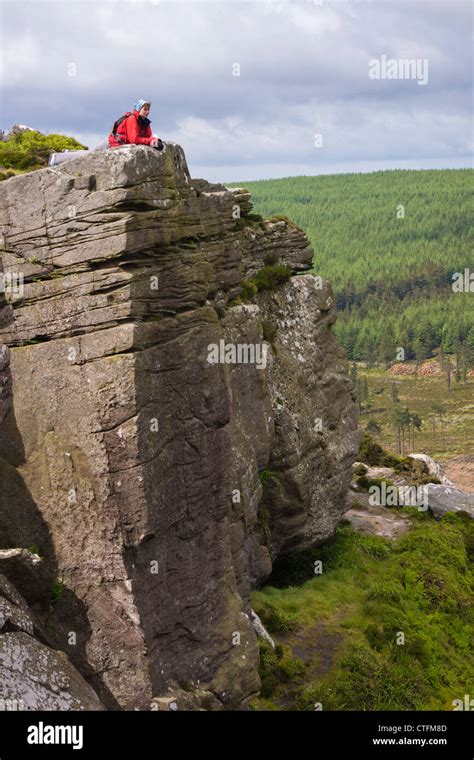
[(30, 150)]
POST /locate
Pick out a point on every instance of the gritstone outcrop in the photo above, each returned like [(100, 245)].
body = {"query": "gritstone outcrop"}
[(177, 422)]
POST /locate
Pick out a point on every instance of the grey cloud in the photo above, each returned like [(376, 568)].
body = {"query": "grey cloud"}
[(304, 68)]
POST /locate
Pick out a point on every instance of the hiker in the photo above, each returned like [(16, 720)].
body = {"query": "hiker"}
[(134, 128)]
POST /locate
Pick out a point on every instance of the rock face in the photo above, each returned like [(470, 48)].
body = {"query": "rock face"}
[(33, 676), (5, 378), (172, 437)]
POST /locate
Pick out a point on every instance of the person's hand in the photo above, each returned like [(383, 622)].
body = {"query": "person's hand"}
[(154, 142)]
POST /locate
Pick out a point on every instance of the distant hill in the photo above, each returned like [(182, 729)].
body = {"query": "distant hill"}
[(390, 243)]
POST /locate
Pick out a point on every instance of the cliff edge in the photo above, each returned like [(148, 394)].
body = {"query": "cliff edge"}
[(181, 415)]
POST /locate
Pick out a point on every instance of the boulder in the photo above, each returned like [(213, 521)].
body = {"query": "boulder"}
[(434, 468), (442, 499)]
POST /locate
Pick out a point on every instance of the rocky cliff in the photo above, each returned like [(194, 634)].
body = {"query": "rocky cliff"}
[(181, 416)]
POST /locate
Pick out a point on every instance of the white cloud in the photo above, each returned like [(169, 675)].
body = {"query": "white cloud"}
[(19, 59)]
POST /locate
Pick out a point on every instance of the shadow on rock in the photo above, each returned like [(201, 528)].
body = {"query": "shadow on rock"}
[(62, 617)]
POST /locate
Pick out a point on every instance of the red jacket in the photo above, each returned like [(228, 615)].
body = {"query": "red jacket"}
[(130, 131)]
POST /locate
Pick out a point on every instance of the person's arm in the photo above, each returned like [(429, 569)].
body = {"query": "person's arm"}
[(155, 142), (133, 134)]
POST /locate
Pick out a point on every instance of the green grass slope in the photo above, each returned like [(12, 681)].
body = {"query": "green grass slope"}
[(387, 625)]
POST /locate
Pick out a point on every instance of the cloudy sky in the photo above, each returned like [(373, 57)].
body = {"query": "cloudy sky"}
[(253, 88)]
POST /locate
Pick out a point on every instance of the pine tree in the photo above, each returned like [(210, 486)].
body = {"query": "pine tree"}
[(395, 398), (416, 424), (458, 362)]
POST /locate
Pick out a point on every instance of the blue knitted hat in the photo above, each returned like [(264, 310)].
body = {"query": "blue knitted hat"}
[(140, 103)]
